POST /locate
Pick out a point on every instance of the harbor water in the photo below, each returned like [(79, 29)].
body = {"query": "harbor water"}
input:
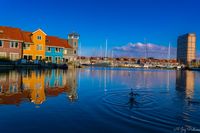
[(96, 99)]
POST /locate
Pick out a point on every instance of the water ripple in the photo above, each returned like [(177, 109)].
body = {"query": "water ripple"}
[(144, 109)]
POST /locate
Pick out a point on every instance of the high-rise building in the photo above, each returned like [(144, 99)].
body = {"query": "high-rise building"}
[(186, 48)]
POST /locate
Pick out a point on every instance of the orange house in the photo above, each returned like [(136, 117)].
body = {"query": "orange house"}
[(35, 50)]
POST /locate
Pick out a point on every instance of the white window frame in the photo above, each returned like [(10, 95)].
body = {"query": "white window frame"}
[(48, 58), (28, 55), (4, 54), (47, 49), (39, 37), (38, 56), (39, 47), (65, 51), (57, 58), (26, 48), (14, 55), (59, 49), (14, 43)]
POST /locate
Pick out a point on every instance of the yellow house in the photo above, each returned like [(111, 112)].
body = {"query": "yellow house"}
[(35, 49)]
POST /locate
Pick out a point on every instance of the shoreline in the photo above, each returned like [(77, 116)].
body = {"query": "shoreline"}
[(15, 66), (32, 66)]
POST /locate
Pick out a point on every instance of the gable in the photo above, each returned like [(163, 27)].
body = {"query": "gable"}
[(39, 31)]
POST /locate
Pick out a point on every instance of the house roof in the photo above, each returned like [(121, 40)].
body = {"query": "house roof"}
[(39, 30), (66, 44), (10, 33), (27, 36), (55, 41)]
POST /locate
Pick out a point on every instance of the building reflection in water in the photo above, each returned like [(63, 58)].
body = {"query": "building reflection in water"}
[(185, 81), (36, 85)]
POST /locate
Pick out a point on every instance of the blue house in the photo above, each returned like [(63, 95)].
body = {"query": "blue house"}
[(54, 50)]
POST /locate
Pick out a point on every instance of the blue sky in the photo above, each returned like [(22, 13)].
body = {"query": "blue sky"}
[(119, 21)]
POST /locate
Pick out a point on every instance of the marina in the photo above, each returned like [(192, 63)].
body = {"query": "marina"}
[(99, 66), (123, 100)]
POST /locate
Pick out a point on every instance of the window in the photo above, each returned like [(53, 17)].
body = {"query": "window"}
[(14, 44), (48, 49), (57, 59), (65, 51), (74, 51), (38, 57), (26, 46), (25, 57), (57, 49), (28, 57), (49, 58), (39, 37), (1, 43), (2, 54), (75, 44), (1, 89), (14, 56), (39, 47)]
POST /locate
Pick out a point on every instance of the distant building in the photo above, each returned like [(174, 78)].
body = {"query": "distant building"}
[(186, 48)]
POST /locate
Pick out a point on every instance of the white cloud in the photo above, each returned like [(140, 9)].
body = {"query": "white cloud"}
[(142, 50)]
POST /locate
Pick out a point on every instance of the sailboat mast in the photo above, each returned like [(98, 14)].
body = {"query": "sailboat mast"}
[(101, 53), (106, 48), (112, 54), (80, 50), (145, 43), (169, 51)]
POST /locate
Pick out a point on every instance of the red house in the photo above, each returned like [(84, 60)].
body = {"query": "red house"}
[(11, 40)]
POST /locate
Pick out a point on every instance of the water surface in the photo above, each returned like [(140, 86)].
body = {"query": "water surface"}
[(99, 100)]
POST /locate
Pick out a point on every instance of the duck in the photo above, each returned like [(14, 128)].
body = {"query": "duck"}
[(132, 93)]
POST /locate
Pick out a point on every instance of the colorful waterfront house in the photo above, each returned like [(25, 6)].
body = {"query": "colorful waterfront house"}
[(54, 49), (34, 47), (11, 41)]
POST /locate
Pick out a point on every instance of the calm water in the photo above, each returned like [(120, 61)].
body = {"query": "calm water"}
[(99, 100)]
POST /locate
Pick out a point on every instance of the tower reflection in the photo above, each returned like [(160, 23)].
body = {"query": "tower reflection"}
[(36, 85), (185, 81)]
